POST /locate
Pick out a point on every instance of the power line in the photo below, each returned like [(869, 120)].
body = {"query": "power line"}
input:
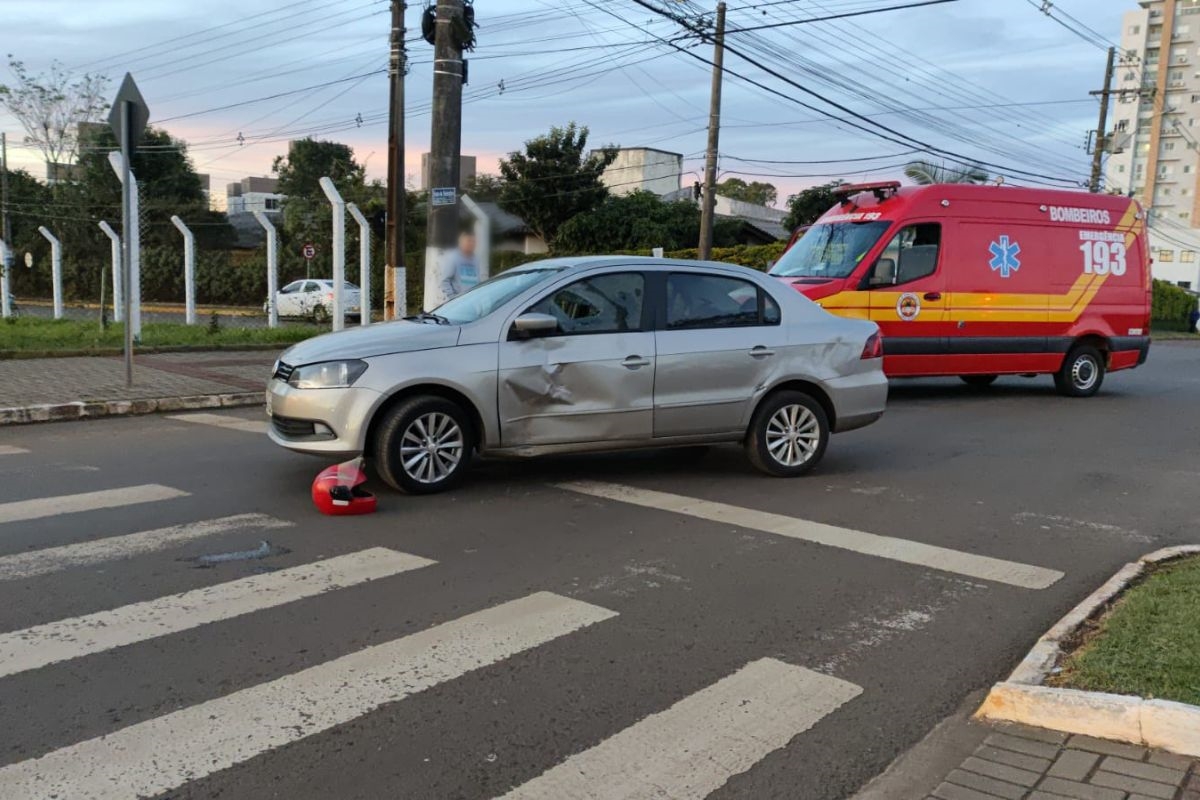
[(843, 15)]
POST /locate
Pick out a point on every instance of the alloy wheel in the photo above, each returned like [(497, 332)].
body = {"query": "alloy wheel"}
[(793, 435), (432, 447)]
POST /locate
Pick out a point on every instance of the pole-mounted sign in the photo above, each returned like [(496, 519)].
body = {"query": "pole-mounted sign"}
[(128, 119)]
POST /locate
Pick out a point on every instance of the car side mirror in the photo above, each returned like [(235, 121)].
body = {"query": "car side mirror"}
[(884, 273), (530, 325)]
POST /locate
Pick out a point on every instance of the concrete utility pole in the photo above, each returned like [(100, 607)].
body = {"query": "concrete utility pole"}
[(1102, 131), (397, 195), (118, 295), (55, 268), (445, 149), (189, 270), (272, 269), (339, 251), (364, 264), (6, 253), (709, 200)]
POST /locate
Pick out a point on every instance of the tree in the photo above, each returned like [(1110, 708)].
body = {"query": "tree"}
[(484, 188), (51, 105), (806, 207), (636, 221), (554, 179), (306, 209), (927, 173), (756, 192)]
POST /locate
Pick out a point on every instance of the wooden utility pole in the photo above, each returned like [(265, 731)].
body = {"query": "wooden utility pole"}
[(445, 146), (709, 200), (1102, 131), (397, 194)]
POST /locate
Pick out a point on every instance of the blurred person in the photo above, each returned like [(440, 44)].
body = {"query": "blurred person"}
[(460, 270)]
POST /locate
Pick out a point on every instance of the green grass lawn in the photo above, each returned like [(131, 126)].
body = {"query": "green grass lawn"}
[(28, 335), (1149, 644)]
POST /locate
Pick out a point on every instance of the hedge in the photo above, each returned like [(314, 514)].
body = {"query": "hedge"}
[(1171, 304)]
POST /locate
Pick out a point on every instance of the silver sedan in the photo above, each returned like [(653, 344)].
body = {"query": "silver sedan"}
[(584, 354)]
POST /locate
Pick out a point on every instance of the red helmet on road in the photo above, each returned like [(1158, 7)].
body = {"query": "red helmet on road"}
[(338, 491)]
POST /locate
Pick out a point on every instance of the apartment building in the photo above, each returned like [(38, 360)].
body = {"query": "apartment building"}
[(1158, 132)]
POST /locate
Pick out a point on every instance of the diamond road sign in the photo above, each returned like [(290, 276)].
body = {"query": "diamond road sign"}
[(139, 112)]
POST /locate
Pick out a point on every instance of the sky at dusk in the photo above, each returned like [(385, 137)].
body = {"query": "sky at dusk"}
[(993, 79)]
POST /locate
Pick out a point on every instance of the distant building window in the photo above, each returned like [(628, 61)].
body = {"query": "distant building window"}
[(1185, 284), (272, 204), (1134, 30), (1187, 256), (1121, 168), (1169, 146), (1185, 215), (1166, 255), (1187, 169)]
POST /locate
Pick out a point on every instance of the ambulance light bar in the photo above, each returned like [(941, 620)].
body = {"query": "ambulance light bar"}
[(881, 189)]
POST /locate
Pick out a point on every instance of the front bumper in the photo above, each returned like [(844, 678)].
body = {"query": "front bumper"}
[(344, 414)]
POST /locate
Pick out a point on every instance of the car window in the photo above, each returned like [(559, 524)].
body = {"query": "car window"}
[(312, 286), (294, 286), (910, 255), (713, 301), (602, 304)]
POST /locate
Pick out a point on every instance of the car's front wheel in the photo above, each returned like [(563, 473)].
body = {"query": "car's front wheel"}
[(788, 435), (424, 445)]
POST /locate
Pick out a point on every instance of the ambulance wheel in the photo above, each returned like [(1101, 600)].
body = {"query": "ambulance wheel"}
[(978, 381), (1082, 372), (788, 435), (424, 445)]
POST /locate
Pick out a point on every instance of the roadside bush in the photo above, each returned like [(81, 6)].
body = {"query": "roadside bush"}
[(1171, 304)]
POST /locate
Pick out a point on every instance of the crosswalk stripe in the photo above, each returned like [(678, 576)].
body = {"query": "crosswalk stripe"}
[(694, 747), (219, 421), (41, 507), (33, 563), (931, 556), (94, 633), (9, 450), (166, 752)]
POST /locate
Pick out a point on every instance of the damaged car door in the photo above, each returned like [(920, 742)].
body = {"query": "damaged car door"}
[(589, 380)]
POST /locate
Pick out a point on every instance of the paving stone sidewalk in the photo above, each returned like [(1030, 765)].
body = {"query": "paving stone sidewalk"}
[(26, 383), (1020, 763)]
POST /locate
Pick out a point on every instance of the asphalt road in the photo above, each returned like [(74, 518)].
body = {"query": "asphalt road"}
[(563, 644)]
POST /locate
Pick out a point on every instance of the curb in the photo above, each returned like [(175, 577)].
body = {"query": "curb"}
[(1024, 699), (85, 409)]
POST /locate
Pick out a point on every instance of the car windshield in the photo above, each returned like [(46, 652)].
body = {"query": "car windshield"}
[(490, 295), (830, 251)]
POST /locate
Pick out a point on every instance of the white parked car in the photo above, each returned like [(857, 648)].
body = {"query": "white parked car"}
[(314, 298)]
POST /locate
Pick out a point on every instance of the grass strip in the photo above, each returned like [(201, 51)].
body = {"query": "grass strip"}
[(81, 336), (1148, 644)]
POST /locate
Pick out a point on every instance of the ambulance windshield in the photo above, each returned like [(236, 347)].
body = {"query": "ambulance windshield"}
[(830, 251)]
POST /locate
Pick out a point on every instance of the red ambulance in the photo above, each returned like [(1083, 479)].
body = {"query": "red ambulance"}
[(982, 281)]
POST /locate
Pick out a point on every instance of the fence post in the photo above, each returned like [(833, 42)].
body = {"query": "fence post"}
[(272, 268), (118, 294), (483, 238), (339, 250), (5, 290), (55, 269), (364, 264), (134, 235), (189, 270)]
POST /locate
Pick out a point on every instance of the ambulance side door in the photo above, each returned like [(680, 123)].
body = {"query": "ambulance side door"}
[(909, 300)]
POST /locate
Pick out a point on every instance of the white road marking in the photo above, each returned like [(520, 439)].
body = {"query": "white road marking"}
[(164, 753), (221, 421), (55, 559), (80, 636), (38, 508), (905, 550), (694, 747), (9, 450)]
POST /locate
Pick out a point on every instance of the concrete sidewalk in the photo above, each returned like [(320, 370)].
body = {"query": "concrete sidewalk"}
[(47, 389)]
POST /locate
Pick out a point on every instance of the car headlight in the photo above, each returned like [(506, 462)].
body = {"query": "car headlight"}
[(328, 375)]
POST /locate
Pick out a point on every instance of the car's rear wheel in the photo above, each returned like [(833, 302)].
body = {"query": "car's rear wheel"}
[(788, 435), (978, 381), (424, 445), (320, 315), (1082, 372)]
